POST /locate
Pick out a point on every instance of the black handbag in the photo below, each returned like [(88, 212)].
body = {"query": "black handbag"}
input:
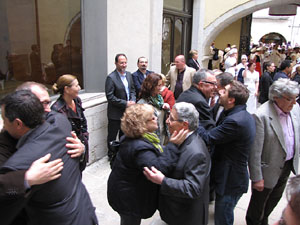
[(114, 148)]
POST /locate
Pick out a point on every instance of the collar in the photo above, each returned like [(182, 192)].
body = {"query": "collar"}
[(235, 109), (200, 92), (121, 75), (182, 70), (60, 103), (279, 111), (26, 136)]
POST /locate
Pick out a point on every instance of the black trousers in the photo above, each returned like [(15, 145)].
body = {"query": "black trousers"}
[(130, 220), (113, 129), (263, 202)]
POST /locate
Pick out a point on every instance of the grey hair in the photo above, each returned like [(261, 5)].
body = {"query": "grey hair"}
[(283, 86), (188, 113), (201, 75)]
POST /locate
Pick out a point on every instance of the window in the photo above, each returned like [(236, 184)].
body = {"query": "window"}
[(39, 41), (177, 28)]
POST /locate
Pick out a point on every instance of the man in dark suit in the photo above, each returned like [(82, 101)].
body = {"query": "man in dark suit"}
[(62, 201), (285, 70), (193, 61), (120, 93), (232, 140), (139, 76), (184, 194), (203, 87)]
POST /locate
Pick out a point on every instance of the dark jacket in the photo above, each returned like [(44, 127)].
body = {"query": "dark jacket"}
[(184, 193), (191, 63), (264, 84), (297, 79), (128, 191), (279, 74), (232, 138), (197, 98), (116, 94), (61, 202), (78, 123), (138, 78)]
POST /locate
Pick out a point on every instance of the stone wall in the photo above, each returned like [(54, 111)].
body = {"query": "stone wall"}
[(95, 105)]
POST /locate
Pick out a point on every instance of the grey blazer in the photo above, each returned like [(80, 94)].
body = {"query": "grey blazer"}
[(267, 156)]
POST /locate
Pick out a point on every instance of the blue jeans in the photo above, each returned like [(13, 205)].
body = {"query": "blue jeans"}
[(224, 207)]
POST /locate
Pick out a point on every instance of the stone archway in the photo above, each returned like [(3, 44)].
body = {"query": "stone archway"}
[(273, 37), (212, 30)]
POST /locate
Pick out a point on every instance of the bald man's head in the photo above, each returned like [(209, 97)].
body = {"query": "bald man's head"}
[(180, 62)]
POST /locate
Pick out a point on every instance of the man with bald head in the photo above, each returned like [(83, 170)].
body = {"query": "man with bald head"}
[(180, 76)]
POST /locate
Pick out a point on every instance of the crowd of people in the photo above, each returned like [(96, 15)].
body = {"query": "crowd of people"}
[(185, 139), (241, 123)]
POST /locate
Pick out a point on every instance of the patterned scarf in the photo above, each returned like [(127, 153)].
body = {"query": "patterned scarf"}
[(156, 101), (153, 138)]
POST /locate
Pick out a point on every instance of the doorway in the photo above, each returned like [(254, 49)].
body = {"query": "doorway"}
[(177, 30)]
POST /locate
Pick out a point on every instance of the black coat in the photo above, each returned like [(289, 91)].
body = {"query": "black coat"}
[(116, 94), (63, 201), (297, 79), (264, 84), (191, 63), (78, 123), (232, 138), (184, 194), (128, 191), (196, 97)]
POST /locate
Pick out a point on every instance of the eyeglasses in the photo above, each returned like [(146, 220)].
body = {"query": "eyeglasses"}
[(208, 82), (46, 103), (173, 120), (290, 99)]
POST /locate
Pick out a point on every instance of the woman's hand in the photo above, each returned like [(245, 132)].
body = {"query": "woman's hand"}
[(178, 137), (166, 106), (75, 146)]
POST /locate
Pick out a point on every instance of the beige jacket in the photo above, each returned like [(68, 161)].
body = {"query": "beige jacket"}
[(187, 78)]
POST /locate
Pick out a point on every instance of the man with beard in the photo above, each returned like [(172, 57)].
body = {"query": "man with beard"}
[(139, 76), (232, 140)]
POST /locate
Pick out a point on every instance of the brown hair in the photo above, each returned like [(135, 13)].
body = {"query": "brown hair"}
[(135, 117), (62, 82), (239, 92), (149, 84)]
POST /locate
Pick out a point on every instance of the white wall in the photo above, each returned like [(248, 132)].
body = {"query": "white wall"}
[(287, 26), (134, 28)]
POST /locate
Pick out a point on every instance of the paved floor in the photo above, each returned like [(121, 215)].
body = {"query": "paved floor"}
[(95, 178)]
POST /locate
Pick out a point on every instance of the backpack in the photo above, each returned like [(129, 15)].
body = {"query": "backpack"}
[(216, 54)]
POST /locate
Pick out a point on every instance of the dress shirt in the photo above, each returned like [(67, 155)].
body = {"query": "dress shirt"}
[(125, 82), (288, 132), (178, 87)]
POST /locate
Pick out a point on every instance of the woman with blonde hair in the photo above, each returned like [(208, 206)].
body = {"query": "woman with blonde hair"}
[(70, 105), (128, 191)]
